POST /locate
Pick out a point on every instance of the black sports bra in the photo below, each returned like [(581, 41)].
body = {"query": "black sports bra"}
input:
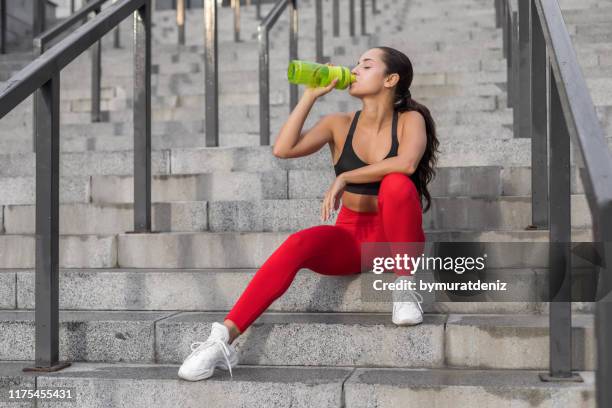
[(349, 161)]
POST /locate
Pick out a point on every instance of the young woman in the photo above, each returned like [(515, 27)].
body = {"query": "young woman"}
[(383, 157)]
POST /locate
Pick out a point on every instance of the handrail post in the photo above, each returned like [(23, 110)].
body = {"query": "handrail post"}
[(117, 34), (38, 17), (264, 86), (319, 32), (603, 312), (336, 17), (293, 50), (211, 73), (524, 69), (142, 118), (514, 56), (504, 26), (539, 124), (2, 26), (352, 18), (47, 228), (363, 18), (180, 21), (264, 64), (258, 8), (236, 7), (509, 50), (559, 260), (96, 73)]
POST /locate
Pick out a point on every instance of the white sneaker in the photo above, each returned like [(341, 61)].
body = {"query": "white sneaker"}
[(205, 356), (408, 313)]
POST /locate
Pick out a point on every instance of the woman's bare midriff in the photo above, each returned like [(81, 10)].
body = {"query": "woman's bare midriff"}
[(353, 201), (360, 202)]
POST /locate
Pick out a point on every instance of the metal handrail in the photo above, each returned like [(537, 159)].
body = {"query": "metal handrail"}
[(544, 52), (235, 4), (42, 40), (44, 73), (180, 21), (351, 7), (264, 62), (2, 26)]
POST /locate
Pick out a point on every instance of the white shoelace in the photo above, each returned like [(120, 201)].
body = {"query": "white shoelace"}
[(204, 344), (418, 297)]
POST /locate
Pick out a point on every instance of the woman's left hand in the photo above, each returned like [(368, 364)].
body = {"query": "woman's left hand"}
[(331, 201)]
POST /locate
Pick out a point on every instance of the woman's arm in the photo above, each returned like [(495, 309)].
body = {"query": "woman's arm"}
[(291, 141)]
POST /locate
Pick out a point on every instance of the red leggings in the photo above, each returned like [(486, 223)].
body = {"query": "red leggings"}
[(333, 249)]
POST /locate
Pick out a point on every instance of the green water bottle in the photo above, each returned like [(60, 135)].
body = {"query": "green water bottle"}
[(313, 74)]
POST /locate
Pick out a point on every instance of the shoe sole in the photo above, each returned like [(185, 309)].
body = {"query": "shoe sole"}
[(221, 366), (407, 323), (198, 378)]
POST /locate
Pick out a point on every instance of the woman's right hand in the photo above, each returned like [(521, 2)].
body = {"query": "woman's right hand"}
[(315, 92)]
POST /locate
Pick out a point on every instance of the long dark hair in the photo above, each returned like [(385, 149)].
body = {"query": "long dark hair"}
[(397, 62)]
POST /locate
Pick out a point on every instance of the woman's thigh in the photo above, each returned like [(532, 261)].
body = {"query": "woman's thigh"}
[(329, 249)]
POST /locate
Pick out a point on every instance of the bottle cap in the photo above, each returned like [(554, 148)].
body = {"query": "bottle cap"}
[(353, 78)]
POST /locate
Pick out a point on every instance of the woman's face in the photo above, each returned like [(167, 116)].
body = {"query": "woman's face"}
[(370, 74)]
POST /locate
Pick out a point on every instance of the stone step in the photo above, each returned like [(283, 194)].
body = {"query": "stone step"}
[(492, 180), (174, 134), (217, 289), (508, 152), (194, 180), (458, 213), (96, 384), (279, 338), (207, 249)]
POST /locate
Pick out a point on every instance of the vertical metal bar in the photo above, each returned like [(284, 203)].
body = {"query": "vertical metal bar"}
[(603, 315), (180, 21), (336, 17), (504, 22), (142, 118), (2, 26), (293, 50), (352, 17), (236, 6), (498, 20), (363, 18), (374, 9), (211, 73), (47, 223), (524, 76), (38, 49), (515, 69), (258, 9), (264, 86), (71, 6), (319, 30), (117, 34), (38, 17), (509, 50), (559, 237), (96, 77), (539, 120)]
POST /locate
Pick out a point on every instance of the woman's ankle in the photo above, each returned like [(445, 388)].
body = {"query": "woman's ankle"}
[(234, 332)]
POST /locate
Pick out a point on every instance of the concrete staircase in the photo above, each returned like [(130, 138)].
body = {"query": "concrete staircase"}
[(131, 304)]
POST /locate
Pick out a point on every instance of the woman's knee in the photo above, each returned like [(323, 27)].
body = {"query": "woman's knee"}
[(397, 185)]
